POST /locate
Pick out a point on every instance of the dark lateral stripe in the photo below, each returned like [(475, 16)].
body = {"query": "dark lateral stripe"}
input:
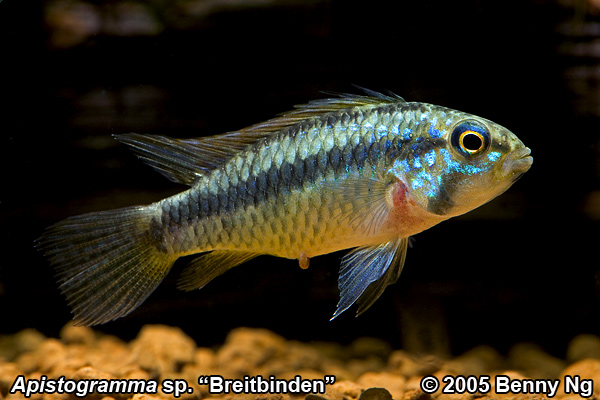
[(442, 202), (422, 145), (280, 181)]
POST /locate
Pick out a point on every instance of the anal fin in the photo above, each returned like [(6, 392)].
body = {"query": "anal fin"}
[(366, 272), (208, 266)]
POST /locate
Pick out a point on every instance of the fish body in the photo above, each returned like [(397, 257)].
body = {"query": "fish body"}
[(363, 172)]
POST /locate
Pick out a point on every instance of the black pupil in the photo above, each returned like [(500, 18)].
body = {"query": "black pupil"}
[(472, 142)]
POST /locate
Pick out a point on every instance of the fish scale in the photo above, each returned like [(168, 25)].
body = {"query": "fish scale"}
[(363, 172), (258, 217)]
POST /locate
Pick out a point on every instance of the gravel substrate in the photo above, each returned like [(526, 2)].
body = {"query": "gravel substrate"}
[(165, 359)]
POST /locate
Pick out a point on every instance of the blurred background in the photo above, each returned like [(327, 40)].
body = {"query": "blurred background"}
[(523, 268)]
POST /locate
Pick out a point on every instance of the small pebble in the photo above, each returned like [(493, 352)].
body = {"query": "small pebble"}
[(582, 347), (534, 361), (160, 349), (375, 394)]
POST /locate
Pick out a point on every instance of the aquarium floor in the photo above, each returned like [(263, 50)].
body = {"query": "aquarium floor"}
[(170, 358)]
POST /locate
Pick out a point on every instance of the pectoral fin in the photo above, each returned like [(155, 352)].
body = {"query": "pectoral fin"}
[(367, 271), (208, 266), (369, 200)]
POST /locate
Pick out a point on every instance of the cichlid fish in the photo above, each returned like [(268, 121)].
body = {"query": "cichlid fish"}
[(358, 171)]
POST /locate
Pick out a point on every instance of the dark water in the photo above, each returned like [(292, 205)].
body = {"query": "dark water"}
[(522, 268)]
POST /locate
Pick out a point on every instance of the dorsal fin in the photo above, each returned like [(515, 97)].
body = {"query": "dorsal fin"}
[(185, 160), (343, 101), (315, 108)]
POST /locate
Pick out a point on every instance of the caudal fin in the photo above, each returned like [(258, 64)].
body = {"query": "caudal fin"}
[(107, 262)]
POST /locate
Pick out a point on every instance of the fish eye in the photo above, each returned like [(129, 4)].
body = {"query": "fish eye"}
[(470, 138), (471, 141)]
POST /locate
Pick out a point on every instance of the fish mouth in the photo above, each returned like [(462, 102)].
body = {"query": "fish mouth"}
[(518, 162)]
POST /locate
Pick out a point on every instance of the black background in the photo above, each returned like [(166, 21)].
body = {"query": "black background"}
[(522, 268)]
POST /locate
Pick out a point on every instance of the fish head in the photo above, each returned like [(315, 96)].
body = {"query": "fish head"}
[(468, 162)]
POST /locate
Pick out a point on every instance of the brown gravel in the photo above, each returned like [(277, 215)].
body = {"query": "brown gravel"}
[(167, 355)]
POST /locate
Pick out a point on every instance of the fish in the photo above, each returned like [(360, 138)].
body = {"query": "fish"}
[(351, 171)]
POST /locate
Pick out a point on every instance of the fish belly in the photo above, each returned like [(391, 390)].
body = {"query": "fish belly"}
[(307, 221)]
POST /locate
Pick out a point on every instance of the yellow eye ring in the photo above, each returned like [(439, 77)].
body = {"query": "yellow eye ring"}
[(471, 142), (470, 138)]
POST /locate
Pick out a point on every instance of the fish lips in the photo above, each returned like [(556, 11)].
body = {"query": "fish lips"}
[(517, 163)]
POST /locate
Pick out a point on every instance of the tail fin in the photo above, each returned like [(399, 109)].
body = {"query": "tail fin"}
[(107, 262)]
